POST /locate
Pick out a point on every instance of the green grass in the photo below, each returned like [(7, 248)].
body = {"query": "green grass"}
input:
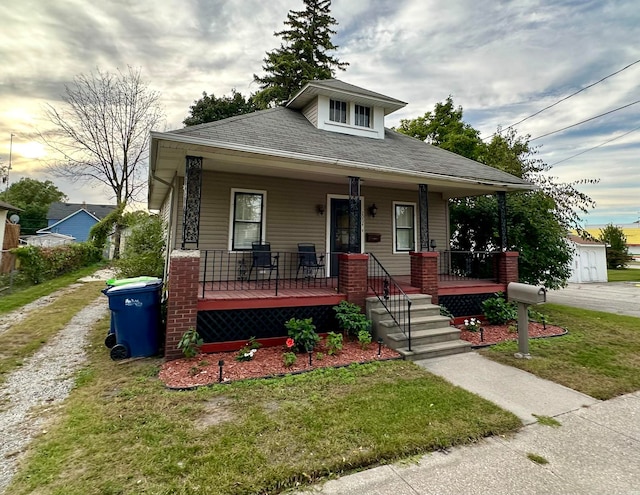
[(538, 459), (122, 432), (19, 297), (599, 357), (24, 338), (624, 275), (547, 420)]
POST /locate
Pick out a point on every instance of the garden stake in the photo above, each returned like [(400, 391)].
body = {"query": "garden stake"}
[(310, 358), (221, 364), (481, 334), (380, 341)]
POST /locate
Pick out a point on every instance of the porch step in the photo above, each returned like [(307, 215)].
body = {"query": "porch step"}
[(416, 299), (417, 311), (421, 323), (428, 351), (422, 337)]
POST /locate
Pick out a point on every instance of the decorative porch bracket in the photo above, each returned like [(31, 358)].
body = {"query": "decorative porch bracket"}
[(423, 206), (502, 218), (354, 215), (192, 199)]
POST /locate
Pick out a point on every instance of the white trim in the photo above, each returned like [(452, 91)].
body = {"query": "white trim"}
[(327, 247), (46, 229), (393, 222), (263, 234)]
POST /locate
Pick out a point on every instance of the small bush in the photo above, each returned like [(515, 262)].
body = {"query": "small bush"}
[(498, 311), (350, 319), (303, 333), (248, 351), (334, 343), (289, 359), (190, 343), (364, 338), (39, 264), (144, 249)]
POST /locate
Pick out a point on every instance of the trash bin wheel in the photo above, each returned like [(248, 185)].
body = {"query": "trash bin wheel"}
[(110, 340), (119, 352)]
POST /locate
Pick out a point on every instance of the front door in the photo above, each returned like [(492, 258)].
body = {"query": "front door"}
[(339, 234)]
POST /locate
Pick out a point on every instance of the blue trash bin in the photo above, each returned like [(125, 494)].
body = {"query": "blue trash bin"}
[(135, 313)]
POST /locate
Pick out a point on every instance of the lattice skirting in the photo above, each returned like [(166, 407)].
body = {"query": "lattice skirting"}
[(242, 324), (464, 304)]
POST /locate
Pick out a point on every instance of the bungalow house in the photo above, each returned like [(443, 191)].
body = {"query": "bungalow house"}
[(285, 212), (74, 219)]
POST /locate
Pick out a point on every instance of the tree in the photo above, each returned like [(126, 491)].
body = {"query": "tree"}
[(617, 249), (302, 55), (144, 247), (33, 197), (209, 108), (102, 133)]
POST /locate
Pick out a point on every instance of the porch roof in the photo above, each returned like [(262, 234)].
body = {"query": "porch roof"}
[(281, 141)]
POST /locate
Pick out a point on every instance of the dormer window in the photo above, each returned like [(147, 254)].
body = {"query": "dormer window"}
[(363, 116), (338, 111)]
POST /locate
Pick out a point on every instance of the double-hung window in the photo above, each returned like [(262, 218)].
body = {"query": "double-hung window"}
[(247, 215), (404, 220), (338, 111), (363, 116)]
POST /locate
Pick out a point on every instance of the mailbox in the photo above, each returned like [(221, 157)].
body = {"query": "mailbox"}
[(527, 294)]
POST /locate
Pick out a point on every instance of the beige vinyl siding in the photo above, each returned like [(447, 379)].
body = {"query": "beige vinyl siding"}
[(311, 112)]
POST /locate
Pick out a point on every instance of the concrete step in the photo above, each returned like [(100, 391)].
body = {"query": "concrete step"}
[(374, 302), (420, 323), (434, 350), (417, 310), (422, 337)]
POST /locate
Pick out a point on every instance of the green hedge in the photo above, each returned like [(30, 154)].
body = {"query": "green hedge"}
[(40, 264)]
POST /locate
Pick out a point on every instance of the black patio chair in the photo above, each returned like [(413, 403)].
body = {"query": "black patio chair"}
[(262, 259), (308, 261)]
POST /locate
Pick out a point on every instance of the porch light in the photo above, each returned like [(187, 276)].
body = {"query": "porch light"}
[(432, 244), (373, 210), (320, 209)]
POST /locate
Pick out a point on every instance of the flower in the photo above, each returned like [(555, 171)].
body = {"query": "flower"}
[(290, 343), (472, 325)]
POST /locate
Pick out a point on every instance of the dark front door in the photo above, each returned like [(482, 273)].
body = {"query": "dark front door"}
[(340, 232)]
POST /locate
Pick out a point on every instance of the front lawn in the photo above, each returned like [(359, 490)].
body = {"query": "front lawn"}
[(599, 357), (122, 432)]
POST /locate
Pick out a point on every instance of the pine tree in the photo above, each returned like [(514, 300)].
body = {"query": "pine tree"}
[(302, 55)]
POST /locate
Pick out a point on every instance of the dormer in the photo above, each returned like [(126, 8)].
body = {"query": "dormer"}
[(336, 106)]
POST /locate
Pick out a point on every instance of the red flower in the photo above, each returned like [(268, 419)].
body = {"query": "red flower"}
[(290, 343)]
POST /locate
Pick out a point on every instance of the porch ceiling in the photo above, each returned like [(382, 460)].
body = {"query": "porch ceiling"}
[(169, 161)]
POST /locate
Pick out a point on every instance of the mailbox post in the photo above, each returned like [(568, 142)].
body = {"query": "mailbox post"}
[(524, 295)]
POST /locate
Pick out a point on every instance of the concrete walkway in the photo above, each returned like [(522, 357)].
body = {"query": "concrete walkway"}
[(596, 450)]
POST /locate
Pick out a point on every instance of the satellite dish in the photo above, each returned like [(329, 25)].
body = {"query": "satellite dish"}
[(14, 218)]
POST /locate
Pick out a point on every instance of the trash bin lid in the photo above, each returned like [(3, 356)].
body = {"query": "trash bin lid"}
[(134, 287), (113, 282)]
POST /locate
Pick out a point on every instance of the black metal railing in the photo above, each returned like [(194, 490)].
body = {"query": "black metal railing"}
[(468, 265), (222, 270), (392, 297)]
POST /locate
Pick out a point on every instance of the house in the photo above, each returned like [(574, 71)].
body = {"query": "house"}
[(74, 219), (244, 199), (589, 263), (631, 231)]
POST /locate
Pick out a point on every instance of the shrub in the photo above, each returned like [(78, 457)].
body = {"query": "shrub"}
[(303, 333), (190, 343), (364, 337), (40, 264), (350, 319), (334, 343), (289, 359), (498, 311), (144, 249), (248, 351)]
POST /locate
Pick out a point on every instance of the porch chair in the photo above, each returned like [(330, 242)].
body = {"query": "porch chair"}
[(310, 263), (262, 259)]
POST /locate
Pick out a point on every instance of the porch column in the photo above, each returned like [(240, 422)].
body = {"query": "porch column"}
[(423, 207), (424, 272), (502, 218), (354, 215), (192, 195), (508, 267), (182, 303), (352, 277)]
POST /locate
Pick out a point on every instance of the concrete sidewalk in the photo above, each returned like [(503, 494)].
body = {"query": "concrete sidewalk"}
[(596, 450)]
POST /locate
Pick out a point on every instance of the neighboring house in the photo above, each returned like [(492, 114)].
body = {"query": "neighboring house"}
[(589, 262), (246, 198), (631, 231), (73, 219), (49, 239)]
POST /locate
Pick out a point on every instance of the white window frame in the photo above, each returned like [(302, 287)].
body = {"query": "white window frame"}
[(415, 226), (232, 215), (346, 111), (356, 115)]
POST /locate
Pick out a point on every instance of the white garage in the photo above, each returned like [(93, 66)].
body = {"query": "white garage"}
[(589, 262)]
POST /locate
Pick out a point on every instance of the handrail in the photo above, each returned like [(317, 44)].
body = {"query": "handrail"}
[(396, 302)]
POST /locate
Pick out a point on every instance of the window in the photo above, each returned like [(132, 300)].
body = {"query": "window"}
[(404, 227), (248, 218), (363, 116), (338, 111)]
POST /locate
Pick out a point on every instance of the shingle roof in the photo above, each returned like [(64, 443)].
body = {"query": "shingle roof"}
[(581, 240), (58, 211), (7, 206), (285, 130)]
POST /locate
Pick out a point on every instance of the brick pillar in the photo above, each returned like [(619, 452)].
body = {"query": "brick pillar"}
[(508, 267), (424, 272), (352, 277), (182, 303)]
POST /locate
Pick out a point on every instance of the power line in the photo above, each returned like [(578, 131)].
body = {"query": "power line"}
[(584, 121), (598, 146), (567, 97)]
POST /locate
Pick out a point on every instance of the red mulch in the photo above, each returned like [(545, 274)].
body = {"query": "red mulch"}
[(204, 370)]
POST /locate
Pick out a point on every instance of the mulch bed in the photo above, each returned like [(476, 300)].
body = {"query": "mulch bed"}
[(494, 334)]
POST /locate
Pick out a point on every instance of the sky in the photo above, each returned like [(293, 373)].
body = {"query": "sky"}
[(500, 60)]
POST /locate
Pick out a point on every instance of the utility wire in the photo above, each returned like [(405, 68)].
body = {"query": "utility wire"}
[(567, 97), (598, 146), (584, 121)]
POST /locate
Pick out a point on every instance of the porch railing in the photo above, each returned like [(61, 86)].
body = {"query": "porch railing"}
[(392, 297), (468, 265), (222, 270)]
